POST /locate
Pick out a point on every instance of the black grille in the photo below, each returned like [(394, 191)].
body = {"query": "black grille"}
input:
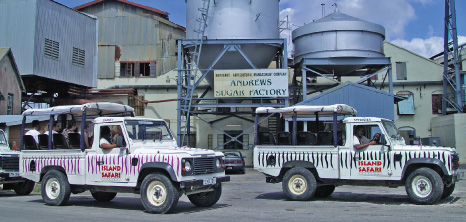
[(455, 160), (9, 163), (204, 166)]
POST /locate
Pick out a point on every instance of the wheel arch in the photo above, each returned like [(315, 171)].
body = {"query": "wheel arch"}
[(432, 163), (49, 168), (292, 164), (163, 168)]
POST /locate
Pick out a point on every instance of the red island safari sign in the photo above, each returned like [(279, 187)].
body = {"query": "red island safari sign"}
[(370, 167)]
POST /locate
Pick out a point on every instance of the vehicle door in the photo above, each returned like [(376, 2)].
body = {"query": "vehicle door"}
[(372, 162), (109, 165)]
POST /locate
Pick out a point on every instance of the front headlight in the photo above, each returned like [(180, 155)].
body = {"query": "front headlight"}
[(186, 167), (218, 163)]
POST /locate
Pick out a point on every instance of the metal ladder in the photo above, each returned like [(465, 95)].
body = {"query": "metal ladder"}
[(190, 77)]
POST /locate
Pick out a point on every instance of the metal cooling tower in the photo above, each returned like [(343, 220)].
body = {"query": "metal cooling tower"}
[(338, 36), (235, 20)]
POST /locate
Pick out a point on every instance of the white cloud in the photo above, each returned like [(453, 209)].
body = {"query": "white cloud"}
[(425, 47)]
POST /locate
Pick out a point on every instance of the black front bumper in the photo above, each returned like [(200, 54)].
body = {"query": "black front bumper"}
[(191, 183)]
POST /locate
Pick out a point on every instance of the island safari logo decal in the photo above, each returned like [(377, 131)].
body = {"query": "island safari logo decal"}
[(370, 167), (110, 172)]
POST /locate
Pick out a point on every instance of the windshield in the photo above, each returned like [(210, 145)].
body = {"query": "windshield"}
[(390, 128), (232, 154), (148, 130)]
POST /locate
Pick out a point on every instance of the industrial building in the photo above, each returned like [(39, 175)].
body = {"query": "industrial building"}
[(56, 60)]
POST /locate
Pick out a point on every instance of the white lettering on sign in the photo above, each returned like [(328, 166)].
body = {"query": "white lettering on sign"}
[(251, 83), (108, 120)]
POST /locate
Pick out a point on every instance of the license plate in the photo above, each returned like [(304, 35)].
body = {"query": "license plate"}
[(229, 168), (13, 174), (210, 181)]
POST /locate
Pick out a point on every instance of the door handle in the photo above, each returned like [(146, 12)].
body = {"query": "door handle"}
[(100, 162)]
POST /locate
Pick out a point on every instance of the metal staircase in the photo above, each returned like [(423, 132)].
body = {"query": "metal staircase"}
[(189, 79)]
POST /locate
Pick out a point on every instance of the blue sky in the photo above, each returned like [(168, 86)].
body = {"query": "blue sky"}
[(413, 24)]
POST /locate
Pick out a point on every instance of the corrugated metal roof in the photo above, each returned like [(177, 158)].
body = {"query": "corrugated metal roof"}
[(7, 51), (368, 101), (124, 1), (14, 120)]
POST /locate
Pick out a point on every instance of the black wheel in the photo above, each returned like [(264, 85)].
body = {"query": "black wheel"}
[(103, 196), (158, 195), (324, 191), (206, 199), (447, 191), (299, 184), (24, 188), (55, 188), (424, 186)]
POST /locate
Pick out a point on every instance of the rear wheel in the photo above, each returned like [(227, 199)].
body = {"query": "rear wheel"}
[(158, 195), (299, 184), (324, 191), (103, 196), (447, 191), (424, 186), (24, 188), (55, 188), (206, 199)]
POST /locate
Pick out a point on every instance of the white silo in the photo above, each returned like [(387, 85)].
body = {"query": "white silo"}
[(235, 20)]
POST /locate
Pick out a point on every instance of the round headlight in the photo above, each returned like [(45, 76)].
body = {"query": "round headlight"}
[(187, 166), (217, 163)]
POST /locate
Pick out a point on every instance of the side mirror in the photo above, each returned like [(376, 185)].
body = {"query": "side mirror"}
[(383, 141)]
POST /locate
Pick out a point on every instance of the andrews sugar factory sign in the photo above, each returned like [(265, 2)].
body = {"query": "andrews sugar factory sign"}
[(251, 83)]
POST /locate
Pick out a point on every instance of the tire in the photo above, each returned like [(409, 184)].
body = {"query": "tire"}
[(103, 196), (324, 191), (424, 186), (447, 191), (158, 195), (206, 199), (299, 184), (24, 188), (55, 188)]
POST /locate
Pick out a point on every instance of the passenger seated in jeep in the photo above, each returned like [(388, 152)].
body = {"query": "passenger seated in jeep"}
[(360, 141), (105, 138)]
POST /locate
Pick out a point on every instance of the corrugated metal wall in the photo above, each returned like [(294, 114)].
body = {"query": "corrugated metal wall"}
[(73, 30), (140, 35), (369, 102), (27, 23), (17, 27)]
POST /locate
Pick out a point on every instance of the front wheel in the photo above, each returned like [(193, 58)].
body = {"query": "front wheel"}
[(424, 186), (24, 188), (103, 196), (299, 184), (206, 199), (158, 195), (55, 188)]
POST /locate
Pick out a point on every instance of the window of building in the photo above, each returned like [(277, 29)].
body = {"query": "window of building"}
[(406, 106), (137, 69), (137, 105), (78, 57), (401, 72), (436, 103), (235, 144), (209, 141), (51, 49), (9, 109)]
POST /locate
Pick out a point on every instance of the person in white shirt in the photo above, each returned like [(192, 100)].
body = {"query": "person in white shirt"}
[(360, 141), (35, 131), (105, 138)]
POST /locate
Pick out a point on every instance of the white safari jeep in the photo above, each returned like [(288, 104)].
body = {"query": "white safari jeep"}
[(316, 152), (145, 160), (9, 169)]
